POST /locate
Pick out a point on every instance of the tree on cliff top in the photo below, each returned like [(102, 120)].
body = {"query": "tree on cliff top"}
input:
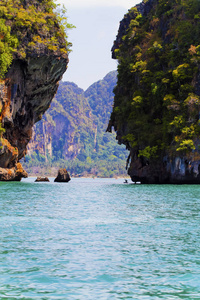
[(28, 27)]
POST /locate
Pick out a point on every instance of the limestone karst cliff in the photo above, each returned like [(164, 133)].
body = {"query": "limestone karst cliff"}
[(67, 128), (72, 133), (157, 97), (33, 58)]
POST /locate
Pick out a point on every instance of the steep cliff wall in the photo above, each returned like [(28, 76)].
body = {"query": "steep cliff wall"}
[(67, 127), (75, 124), (157, 98), (31, 80), (73, 134)]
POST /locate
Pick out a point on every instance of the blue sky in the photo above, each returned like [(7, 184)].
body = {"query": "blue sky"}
[(96, 24)]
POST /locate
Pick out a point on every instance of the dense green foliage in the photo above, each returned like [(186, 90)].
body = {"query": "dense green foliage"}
[(157, 98), (26, 26), (76, 122), (100, 98)]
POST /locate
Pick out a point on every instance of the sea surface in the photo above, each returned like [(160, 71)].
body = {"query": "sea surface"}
[(99, 239)]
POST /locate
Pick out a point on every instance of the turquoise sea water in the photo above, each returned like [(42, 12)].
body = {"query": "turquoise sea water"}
[(99, 239)]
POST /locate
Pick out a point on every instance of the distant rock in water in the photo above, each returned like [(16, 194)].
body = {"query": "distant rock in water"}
[(42, 179), (157, 97), (29, 74), (63, 176)]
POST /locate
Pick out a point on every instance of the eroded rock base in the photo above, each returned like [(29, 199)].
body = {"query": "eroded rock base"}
[(179, 170), (13, 174)]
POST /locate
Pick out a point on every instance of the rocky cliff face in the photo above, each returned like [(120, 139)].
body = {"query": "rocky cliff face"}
[(157, 98), (72, 133), (27, 89), (67, 126), (75, 124)]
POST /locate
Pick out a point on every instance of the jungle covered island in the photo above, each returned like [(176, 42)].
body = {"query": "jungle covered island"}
[(33, 57), (72, 134), (157, 97)]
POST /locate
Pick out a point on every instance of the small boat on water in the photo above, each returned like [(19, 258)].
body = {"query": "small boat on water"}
[(134, 182)]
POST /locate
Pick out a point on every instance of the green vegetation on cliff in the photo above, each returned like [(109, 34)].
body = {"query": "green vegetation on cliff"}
[(28, 26), (157, 97)]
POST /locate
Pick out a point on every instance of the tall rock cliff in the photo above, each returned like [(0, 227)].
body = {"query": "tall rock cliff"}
[(67, 128), (157, 97), (72, 133), (33, 58)]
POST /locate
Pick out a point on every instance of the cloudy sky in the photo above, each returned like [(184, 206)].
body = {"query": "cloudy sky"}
[(97, 23)]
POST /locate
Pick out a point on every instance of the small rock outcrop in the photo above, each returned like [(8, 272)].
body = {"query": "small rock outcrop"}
[(42, 179), (38, 60), (63, 176)]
